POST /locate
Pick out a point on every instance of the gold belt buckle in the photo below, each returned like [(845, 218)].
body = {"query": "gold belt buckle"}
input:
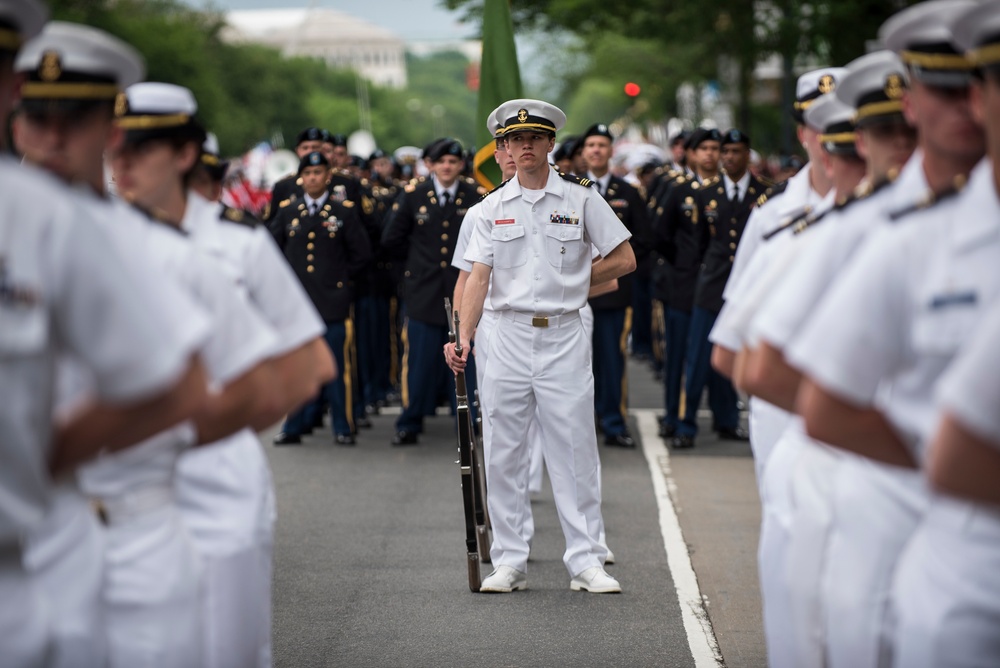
[(540, 321)]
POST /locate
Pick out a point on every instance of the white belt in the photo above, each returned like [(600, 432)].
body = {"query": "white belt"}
[(131, 505), (536, 320)]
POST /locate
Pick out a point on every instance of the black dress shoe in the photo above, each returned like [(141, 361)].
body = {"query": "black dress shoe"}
[(343, 439), (404, 438), (287, 439), (666, 430), (620, 441), (362, 422), (735, 434), (682, 442)]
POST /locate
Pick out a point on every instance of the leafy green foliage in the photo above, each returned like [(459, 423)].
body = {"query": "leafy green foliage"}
[(249, 93)]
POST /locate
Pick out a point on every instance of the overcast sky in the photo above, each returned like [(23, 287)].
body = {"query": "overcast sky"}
[(410, 19)]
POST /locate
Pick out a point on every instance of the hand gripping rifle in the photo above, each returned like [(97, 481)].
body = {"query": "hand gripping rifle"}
[(473, 497)]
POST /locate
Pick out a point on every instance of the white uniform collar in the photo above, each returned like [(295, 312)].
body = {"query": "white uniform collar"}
[(319, 201), (743, 183), (554, 186)]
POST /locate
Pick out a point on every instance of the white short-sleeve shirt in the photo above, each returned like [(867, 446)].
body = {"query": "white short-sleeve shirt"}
[(249, 256), (539, 244), (970, 390), (238, 339), (905, 306), (828, 248), (65, 289)]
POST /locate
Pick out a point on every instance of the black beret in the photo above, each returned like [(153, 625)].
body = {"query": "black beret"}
[(445, 147), (358, 161), (681, 138), (597, 130), (734, 136), (335, 139), (376, 154), (702, 135), (313, 159), (309, 134)]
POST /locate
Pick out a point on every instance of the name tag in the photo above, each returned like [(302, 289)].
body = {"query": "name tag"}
[(954, 299), (562, 219), (504, 221)]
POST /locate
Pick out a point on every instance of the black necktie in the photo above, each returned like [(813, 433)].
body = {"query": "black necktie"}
[(312, 208), (444, 199), (736, 193)]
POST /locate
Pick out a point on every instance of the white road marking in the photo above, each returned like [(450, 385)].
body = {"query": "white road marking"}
[(701, 638)]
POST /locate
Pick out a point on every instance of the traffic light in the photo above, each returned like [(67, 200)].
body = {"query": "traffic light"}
[(632, 89)]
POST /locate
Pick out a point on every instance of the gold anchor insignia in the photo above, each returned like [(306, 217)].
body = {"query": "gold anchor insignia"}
[(522, 115), (49, 69), (894, 86), (826, 84), (121, 104)]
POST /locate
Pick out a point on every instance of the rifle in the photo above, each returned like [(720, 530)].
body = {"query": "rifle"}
[(473, 496)]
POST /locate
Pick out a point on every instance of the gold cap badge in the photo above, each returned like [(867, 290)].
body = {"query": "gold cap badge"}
[(50, 68)]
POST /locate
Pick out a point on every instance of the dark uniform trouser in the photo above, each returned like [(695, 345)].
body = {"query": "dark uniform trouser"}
[(611, 329), (375, 348), (677, 324), (722, 396), (339, 337), (642, 315), (426, 375)]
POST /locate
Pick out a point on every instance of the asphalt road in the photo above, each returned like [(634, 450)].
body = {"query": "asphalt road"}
[(370, 559)]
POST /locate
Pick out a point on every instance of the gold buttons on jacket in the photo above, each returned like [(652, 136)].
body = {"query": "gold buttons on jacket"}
[(444, 237), (310, 246), (312, 235), (310, 268), (444, 265), (340, 284), (309, 258), (444, 250)]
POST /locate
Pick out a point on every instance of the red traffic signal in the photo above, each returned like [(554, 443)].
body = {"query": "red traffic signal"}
[(632, 89)]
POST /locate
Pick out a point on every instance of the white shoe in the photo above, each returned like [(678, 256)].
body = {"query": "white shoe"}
[(504, 580), (610, 559), (596, 581)]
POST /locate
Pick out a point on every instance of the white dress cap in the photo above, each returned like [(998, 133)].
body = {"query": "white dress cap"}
[(71, 60), (874, 87), (977, 33), (922, 37), (26, 18), (526, 114)]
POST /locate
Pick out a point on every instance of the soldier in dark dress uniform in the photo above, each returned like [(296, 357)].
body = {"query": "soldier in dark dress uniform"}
[(723, 210), (613, 312), (385, 280), (327, 247), (289, 188), (421, 232), (677, 236)]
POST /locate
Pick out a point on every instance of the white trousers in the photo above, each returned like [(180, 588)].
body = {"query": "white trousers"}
[(152, 592), (876, 508), (812, 484), (226, 497), (24, 623), (548, 369), (65, 557), (767, 423), (947, 589), (772, 552)]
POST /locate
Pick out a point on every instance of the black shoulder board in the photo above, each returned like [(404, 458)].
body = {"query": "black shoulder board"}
[(798, 216), (772, 191), (573, 178), (930, 199), (231, 215), (494, 190)]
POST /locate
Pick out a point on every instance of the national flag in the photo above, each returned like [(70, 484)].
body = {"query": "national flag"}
[(499, 81)]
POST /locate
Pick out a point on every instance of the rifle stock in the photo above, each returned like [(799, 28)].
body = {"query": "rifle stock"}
[(466, 461)]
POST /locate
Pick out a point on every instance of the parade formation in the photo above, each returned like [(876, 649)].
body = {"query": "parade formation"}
[(150, 330)]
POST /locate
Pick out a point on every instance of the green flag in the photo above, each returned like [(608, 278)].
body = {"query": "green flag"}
[(499, 81)]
